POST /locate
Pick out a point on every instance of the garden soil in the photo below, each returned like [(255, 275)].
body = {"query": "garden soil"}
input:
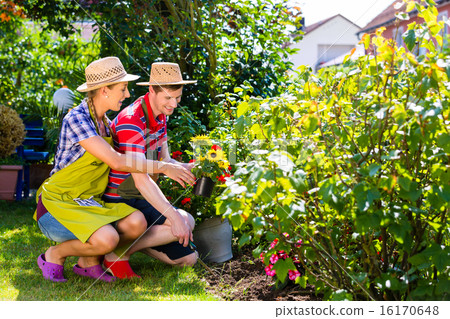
[(243, 278)]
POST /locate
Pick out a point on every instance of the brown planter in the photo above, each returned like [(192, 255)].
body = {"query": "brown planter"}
[(38, 174), (8, 181)]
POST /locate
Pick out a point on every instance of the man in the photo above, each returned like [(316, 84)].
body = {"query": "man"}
[(140, 130)]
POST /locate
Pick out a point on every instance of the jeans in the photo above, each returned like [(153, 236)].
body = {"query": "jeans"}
[(54, 230)]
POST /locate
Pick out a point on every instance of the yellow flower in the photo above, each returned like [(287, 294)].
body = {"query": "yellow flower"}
[(224, 164), (215, 155), (202, 138)]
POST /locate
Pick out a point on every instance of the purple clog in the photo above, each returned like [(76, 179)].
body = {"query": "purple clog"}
[(95, 272), (51, 271)]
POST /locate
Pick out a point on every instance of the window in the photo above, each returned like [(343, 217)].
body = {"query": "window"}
[(398, 35), (443, 16), (329, 52)]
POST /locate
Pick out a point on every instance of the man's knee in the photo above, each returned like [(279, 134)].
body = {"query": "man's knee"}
[(133, 225), (189, 260), (190, 220)]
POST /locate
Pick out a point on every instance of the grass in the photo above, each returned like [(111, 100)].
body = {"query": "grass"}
[(21, 242)]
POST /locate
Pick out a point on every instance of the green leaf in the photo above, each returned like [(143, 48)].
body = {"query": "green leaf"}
[(404, 183), (237, 220), (298, 182), (365, 222), (245, 238), (443, 286), (413, 194), (341, 295), (418, 259), (373, 169), (302, 281), (444, 141), (255, 177), (242, 108), (239, 126), (441, 259), (361, 197), (282, 268)]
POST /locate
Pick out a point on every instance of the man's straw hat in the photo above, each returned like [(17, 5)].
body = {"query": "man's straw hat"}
[(105, 72), (165, 73)]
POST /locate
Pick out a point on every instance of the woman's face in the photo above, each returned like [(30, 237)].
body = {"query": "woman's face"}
[(116, 95)]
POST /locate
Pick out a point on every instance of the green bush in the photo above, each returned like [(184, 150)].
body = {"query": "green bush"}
[(38, 63), (354, 163)]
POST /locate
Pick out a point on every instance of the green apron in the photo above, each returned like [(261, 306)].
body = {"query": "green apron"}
[(81, 183)]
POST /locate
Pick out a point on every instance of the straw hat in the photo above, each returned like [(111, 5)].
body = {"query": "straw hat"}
[(165, 73), (105, 72)]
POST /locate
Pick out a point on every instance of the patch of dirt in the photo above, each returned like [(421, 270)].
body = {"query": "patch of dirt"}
[(243, 278)]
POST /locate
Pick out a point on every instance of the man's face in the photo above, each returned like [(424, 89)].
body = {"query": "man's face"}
[(165, 102)]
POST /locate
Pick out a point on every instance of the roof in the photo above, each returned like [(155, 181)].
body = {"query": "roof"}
[(388, 16), (316, 25)]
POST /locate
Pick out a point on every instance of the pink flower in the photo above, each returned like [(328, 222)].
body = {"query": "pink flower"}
[(269, 271), (286, 235), (282, 254), (274, 243), (261, 256), (299, 243), (273, 259), (293, 274)]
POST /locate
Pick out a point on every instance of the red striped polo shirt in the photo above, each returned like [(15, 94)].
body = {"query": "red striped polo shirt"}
[(130, 132)]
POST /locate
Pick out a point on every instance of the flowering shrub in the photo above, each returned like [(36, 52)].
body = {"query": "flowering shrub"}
[(274, 254), (355, 163), (8, 10)]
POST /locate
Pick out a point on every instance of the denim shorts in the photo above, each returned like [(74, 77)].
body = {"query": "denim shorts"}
[(53, 229)]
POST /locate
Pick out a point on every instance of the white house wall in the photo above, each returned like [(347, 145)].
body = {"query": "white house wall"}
[(338, 32)]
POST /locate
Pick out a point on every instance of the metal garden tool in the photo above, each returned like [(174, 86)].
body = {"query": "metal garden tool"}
[(194, 248)]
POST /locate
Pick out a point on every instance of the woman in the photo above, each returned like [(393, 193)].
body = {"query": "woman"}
[(69, 209)]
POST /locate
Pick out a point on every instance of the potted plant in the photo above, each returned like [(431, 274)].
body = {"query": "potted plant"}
[(12, 134), (211, 165), (213, 234)]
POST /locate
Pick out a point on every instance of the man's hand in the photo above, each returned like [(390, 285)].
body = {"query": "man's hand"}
[(180, 228), (178, 173)]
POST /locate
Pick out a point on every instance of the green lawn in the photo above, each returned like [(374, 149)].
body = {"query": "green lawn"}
[(21, 242)]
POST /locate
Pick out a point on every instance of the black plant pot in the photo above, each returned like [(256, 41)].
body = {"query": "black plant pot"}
[(204, 187)]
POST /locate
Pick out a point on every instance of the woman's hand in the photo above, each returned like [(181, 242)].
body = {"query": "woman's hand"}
[(178, 172)]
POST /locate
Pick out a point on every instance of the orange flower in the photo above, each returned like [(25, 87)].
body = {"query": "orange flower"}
[(4, 17)]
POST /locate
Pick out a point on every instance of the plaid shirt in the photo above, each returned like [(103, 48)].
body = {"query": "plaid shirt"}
[(77, 126)]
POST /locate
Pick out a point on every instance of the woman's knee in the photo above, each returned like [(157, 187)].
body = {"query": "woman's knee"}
[(133, 225), (104, 240)]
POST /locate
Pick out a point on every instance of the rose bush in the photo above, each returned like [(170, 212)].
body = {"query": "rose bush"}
[(354, 163)]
